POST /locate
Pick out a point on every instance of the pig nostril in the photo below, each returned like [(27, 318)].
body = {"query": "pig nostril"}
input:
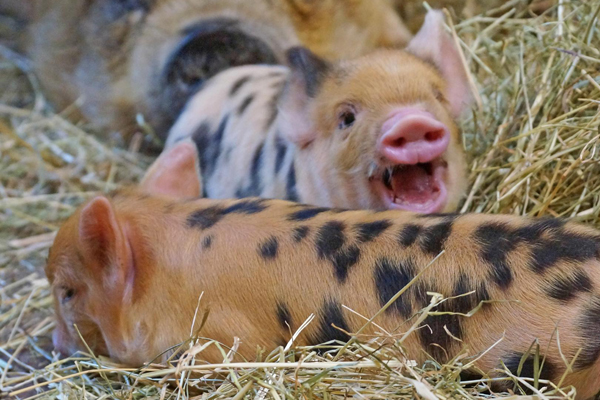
[(400, 142), (433, 136)]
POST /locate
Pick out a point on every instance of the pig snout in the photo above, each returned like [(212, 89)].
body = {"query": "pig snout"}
[(411, 136), (59, 342)]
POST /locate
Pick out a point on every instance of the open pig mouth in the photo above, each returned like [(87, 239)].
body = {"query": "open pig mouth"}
[(419, 188), (412, 175)]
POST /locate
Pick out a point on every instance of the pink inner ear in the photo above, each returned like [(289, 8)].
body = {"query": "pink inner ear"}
[(293, 119), (458, 91), (432, 43), (98, 230), (105, 247), (295, 126), (175, 173)]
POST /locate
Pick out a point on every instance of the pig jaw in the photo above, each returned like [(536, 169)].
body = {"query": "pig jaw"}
[(418, 188), (411, 147)]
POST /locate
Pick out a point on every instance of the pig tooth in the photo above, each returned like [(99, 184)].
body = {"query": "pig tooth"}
[(387, 179), (372, 170)]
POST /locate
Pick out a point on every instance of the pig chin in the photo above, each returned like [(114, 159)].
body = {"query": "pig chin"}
[(419, 188)]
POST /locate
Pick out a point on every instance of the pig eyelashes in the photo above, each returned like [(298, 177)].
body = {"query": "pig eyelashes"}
[(346, 117), (67, 295), (347, 120)]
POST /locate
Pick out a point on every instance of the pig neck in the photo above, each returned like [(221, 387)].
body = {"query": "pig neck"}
[(278, 171), (272, 171), (290, 177), (303, 181)]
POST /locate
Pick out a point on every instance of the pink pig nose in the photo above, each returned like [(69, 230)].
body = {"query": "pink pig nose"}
[(58, 342), (411, 136)]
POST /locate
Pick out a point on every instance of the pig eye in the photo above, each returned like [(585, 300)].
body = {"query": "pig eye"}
[(347, 118), (68, 295)]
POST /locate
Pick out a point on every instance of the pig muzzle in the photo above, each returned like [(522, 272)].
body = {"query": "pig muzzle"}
[(413, 136), (411, 146), (60, 343)]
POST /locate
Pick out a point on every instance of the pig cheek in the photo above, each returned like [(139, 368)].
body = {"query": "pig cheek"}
[(350, 151), (441, 111), (92, 335), (61, 338), (456, 174), (89, 316), (100, 344), (455, 132)]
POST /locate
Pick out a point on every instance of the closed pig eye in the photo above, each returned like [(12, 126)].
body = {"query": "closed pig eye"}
[(68, 294)]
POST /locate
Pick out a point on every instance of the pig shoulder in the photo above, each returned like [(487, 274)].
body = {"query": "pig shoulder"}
[(229, 95)]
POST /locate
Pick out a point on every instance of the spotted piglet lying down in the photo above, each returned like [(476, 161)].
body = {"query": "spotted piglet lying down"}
[(128, 271), (374, 133)]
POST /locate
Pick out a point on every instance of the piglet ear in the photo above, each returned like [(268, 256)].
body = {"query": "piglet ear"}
[(103, 242), (308, 71), (434, 45), (176, 173)]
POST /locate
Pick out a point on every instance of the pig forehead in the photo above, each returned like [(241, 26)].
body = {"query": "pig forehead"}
[(64, 262), (403, 85), (55, 254), (380, 79), (59, 269)]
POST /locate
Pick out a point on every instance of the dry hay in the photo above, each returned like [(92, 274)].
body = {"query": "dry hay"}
[(533, 139)]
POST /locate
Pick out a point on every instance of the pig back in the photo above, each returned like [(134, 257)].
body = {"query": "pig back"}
[(292, 261)]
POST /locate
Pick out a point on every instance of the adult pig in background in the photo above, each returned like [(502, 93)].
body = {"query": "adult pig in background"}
[(376, 132), (14, 17), (118, 58)]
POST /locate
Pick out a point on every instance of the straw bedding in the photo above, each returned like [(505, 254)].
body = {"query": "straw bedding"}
[(533, 143)]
